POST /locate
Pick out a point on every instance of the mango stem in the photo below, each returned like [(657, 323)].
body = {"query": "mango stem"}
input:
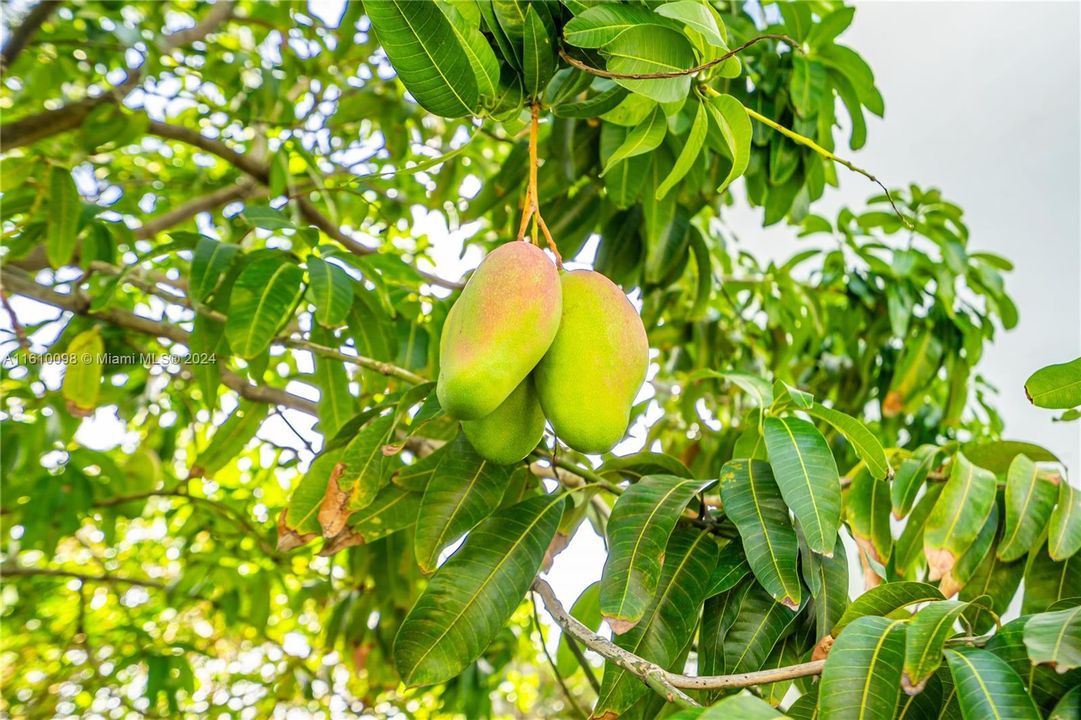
[(531, 206)]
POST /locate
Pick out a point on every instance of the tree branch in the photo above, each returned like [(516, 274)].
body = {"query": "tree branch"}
[(808, 142), (21, 35), (185, 212), (262, 174), (599, 72), (654, 675), (43, 125), (17, 571), (70, 116), (650, 673), (79, 304), (241, 519), (218, 13)]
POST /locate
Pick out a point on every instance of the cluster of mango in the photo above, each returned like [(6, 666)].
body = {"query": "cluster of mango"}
[(526, 341)]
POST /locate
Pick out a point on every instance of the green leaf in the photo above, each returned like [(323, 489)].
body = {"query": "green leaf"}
[(1054, 638), (62, 221), (1043, 683), (481, 56), (967, 565), (538, 56), (359, 478), (754, 386), (731, 568), (753, 502), (731, 119), (1056, 386), (1030, 498), (908, 559), (393, 509), (830, 26), (648, 49), (230, 438), (642, 139), (586, 610), (463, 490), (994, 584), (909, 479), (788, 397), (689, 153), (641, 522), (331, 291), (807, 476), (696, 16), (636, 466), (669, 623), (83, 372), (427, 55), (336, 404), (866, 445), (624, 182), (759, 623), (929, 703), (920, 360), (261, 303), (862, 675), (885, 599), (1064, 532), (958, 516), (603, 23), (867, 510), (302, 512), (594, 106), (1069, 707), (208, 264), (827, 579), (267, 218), (998, 455), (928, 631), (743, 706), (473, 595), (988, 688), (417, 475)]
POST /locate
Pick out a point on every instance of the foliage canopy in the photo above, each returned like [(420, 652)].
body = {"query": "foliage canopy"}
[(225, 227)]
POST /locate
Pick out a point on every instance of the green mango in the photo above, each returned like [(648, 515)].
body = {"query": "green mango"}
[(498, 330), (588, 379), (512, 431)]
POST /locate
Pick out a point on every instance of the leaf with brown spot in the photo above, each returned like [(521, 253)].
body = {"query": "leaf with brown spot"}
[(958, 515), (333, 511), (288, 538)]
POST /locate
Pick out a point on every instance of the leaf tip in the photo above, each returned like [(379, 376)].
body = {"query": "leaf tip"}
[(619, 625)]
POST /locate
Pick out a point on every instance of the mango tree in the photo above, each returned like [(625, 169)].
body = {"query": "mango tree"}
[(234, 235)]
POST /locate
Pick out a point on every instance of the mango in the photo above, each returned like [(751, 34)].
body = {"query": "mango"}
[(500, 327), (588, 379), (512, 431)]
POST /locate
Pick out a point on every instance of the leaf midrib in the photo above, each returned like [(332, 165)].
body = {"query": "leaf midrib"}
[(480, 588), (638, 542)]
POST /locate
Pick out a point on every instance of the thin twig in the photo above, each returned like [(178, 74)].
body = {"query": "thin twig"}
[(552, 663), (18, 571), (21, 35), (16, 326), (280, 414), (653, 674), (808, 142), (677, 73)]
